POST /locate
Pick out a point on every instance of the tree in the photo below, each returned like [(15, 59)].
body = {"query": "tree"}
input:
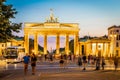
[(7, 12), (31, 46)]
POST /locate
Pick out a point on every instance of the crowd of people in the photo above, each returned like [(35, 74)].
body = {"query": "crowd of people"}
[(81, 60), (99, 62)]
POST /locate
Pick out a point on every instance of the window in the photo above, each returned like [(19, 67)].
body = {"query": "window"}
[(111, 32), (2, 45), (82, 49), (117, 31), (119, 37), (114, 32), (19, 44), (117, 44), (117, 52), (99, 46)]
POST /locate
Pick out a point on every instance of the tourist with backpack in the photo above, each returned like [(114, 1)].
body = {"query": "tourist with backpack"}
[(26, 60)]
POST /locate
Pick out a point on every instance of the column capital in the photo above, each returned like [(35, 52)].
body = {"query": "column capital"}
[(35, 34)]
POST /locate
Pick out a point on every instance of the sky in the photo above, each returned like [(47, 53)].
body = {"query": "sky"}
[(94, 16)]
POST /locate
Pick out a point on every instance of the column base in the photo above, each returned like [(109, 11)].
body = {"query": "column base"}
[(57, 56)]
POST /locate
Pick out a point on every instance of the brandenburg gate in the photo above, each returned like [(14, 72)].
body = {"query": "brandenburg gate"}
[(51, 27)]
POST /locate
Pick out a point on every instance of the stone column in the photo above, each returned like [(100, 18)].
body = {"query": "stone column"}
[(45, 44), (76, 44), (80, 50), (67, 45), (96, 49), (36, 44), (26, 45), (57, 44), (114, 46), (103, 52), (91, 52), (108, 52), (77, 51)]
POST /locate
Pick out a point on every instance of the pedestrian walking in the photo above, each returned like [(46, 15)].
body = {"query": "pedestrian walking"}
[(45, 57), (26, 60), (116, 62), (70, 58), (103, 63), (61, 62), (79, 61), (65, 60), (89, 58), (94, 58), (33, 62), (98, 63), (51, 57), (84, 62), (73, 57)]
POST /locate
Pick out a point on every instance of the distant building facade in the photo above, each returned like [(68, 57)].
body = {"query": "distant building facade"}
[(107, 47), (95, 46), (114, 36)]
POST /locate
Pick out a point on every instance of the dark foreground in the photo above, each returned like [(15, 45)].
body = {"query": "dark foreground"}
[(61, 74)]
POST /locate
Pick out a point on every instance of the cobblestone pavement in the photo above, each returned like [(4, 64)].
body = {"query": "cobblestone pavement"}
[(83, 75), (19, 75), (52, 71), (61, 74)]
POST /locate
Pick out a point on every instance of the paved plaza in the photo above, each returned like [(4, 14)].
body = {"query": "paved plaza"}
[(61, 74), (52, 71)]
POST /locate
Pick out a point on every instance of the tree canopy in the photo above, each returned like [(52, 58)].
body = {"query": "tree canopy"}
[(7, 12)]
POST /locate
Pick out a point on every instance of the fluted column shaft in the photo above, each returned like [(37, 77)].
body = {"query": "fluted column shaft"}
[(96, 49), (36, 44), (67, 45), (76, 44), (45, 44), (26, 45), (103, 52), (57, 44)]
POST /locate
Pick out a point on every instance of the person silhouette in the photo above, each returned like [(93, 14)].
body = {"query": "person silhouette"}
[(33, 62), (26, 60)]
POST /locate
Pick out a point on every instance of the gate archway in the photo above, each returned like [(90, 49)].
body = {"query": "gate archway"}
[(51, 27)]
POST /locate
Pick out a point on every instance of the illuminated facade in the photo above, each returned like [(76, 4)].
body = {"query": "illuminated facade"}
[(107, 47), (95, 46), (54, 28), (114, 36)]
